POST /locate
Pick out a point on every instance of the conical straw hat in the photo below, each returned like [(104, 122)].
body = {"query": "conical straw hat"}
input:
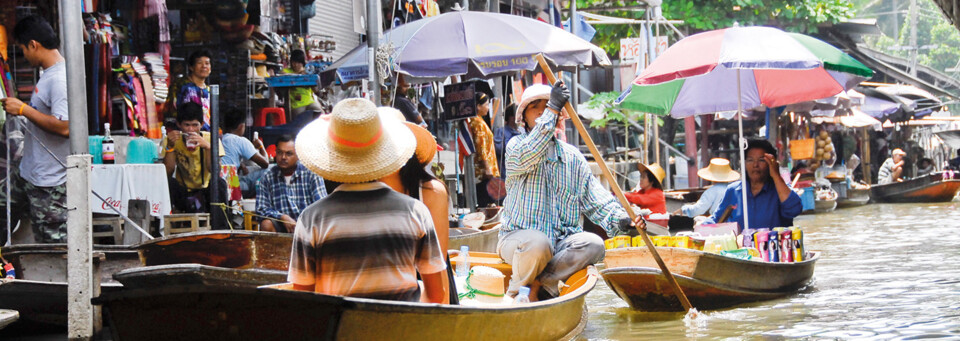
[(354, 143)]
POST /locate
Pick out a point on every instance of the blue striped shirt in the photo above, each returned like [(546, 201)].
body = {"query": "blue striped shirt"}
[(550, 186)]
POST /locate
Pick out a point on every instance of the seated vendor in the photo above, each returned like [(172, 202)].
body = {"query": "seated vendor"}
[(770, 202), (649, 191), (187, 158), (720, 174)]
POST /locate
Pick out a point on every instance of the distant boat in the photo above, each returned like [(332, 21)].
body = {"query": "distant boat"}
[(928, 188), (855, 197), (201, 311), (710, 281)]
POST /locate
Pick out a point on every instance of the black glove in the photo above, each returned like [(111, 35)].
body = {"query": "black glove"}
[(559, 96), (626, 224)]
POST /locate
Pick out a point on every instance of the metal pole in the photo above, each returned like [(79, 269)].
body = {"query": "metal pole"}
[(656, 127), (215, 189), (373, 41), (80, 312), (575, 139), (466, 5), (743, 160), (914, 49)]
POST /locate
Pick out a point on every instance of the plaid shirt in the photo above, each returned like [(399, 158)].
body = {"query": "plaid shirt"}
[(275, 198), (550, 185)]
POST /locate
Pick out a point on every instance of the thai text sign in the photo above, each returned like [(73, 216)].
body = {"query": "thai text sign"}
[(631, 49)]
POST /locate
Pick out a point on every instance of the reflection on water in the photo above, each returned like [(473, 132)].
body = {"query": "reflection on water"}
[(888, 271)]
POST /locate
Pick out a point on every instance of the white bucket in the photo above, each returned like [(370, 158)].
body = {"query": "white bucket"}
[(249, 204)]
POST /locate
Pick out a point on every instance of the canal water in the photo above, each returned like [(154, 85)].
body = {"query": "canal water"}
[(887, 272)]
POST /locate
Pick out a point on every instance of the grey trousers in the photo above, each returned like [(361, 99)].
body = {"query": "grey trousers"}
[(534, 256)]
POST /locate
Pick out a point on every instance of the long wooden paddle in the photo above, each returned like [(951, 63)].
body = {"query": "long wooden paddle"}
[(613, 185)]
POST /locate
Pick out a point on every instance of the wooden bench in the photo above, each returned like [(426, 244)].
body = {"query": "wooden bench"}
[(185, 222), (115, 231)]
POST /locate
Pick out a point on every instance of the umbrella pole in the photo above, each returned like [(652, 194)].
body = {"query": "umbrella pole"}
[(743, 160), (616, 188)]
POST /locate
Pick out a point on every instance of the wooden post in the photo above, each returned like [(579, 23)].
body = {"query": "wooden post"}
[(690, 139), (867, 175), (616, 188)]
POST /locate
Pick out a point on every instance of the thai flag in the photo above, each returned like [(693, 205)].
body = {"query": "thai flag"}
[(465, 140)]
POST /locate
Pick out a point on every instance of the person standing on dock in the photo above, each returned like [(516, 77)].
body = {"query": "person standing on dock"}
[(549, 186), (39, 184), (770, 201)]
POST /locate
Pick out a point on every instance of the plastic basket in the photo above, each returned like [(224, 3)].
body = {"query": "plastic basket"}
[(802, 149)]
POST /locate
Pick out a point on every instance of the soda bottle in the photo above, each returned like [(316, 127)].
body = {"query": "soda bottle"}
[(10, 272), (108, 150), (463, 266), (523, 296)]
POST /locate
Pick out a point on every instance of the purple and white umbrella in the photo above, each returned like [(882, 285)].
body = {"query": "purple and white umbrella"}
[(477, 44)]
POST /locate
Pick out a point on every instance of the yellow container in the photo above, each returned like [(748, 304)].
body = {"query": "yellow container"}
[(617, 242)]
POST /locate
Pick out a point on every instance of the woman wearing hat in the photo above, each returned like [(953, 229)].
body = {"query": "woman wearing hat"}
[(649, 192), (363, 239), (770, 202), (720, 174), (413, 180)]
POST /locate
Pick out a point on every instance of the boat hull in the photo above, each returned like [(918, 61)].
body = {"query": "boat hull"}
[(203, 312), (227, 249), (483, 241), (717, 281), (823, 206), (39, 292), (854, 198), (928, 188), (159, 276)]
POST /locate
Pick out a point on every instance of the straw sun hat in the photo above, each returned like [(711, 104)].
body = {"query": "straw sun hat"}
[(719, 171), (354, 143), (485, 285), (530, 94), (426, 143), (658, 172)]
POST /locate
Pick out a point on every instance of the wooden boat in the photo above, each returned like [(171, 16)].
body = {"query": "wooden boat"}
[(823, 206), (678, 198), (855, 197), (227, 249), (39, 293), (928, 188), (482, 240), (205, 312), (7, 317), (710, 281), (159, 276)]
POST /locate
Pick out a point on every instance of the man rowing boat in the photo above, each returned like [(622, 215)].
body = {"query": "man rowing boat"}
[(549, 186)]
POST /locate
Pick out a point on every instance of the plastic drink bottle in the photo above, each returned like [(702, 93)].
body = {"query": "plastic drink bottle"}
[(761, 238), (786, 246), (463, 266), (773, 242), (523, 296), (10, 272), (798, 250)]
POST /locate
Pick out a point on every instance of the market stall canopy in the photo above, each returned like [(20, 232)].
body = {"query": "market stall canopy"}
[(858, 119), (474, 44), (698, 75), (898, 103)]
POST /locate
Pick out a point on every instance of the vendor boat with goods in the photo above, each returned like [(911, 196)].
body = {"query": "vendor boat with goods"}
[(204, 312), (724, 277)]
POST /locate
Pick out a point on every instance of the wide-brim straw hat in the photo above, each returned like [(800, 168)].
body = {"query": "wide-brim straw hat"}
[(426, 143), (355, 143), (658, 172), (719, 171), (486, 280), (530, 94)]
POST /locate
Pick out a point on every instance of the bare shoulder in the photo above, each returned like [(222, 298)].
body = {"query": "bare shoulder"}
[(434, 189)]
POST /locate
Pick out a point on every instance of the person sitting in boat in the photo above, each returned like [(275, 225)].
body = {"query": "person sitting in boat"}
[(286, 189), (770, 202), (925, 167), (549, 185), (413, 180), (721, 175), (364, 239), (954, 163), (649, 193), (892, 168)]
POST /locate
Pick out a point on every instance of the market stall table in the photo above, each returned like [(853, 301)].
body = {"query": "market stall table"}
[(119, 183)]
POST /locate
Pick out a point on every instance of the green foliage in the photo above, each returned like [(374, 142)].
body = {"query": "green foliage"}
[(702, 15), (932, 29), (605, 102)]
